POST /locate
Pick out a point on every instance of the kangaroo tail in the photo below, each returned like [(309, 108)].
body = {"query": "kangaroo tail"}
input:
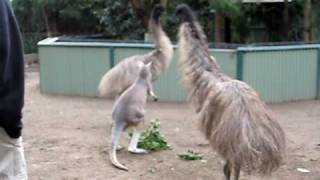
[(116, 133)]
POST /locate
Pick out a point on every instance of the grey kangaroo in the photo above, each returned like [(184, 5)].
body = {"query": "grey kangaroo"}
[(129, 111)]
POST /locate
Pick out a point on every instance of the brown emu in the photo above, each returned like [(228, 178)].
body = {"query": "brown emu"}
[(120, 77), (233, 118)]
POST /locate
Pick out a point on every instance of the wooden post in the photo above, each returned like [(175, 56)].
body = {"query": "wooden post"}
[(307, 21), (218, 21), (286, 27)]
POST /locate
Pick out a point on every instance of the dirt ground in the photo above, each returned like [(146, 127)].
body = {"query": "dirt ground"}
[(68, 138)]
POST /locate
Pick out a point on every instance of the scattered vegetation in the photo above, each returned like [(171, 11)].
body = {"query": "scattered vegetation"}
[(152, 139), (190, 155)]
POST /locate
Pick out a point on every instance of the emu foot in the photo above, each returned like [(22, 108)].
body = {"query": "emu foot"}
[(138, 151)]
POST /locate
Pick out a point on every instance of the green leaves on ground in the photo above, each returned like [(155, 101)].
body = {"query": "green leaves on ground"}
[(152, 139), (190, 155)]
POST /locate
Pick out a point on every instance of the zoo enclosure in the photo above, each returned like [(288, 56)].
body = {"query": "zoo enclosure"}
[(277, 73)]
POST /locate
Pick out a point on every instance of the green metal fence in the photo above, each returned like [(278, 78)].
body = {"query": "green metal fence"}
[(283, 73)]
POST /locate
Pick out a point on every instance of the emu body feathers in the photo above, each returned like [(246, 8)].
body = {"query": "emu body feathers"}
[(120, 77), (235, 121)]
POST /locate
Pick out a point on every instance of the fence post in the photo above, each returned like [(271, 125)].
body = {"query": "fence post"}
[(318, 73), (239, 63), (111, 56)]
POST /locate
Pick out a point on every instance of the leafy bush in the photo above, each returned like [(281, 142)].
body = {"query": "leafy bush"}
[(152, 139)]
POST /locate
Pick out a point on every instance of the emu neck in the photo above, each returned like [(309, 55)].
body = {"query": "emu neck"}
[(161, 41), (162, 55), (200, 73), (194, 50)]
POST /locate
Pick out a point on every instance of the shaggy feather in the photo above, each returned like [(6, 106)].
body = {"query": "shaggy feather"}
[(236, 122), (120, 77)]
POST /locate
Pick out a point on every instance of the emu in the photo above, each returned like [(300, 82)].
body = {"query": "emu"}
[(233, 118), (120, 77), (129, 111)]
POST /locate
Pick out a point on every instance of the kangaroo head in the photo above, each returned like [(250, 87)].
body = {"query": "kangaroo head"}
[(145, 72), (146, 75)]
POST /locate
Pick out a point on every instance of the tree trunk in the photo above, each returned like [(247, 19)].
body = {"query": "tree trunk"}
[(52, 19), (49, 34), (164, 3), (227, 30), (286, 24), (307, 21), (140, 13), (217, 27)]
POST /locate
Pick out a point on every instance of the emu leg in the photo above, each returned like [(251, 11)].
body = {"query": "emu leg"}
[(133, 146), (227, 170), (237, 172)]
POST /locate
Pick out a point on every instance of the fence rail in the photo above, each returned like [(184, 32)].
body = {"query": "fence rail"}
[(278, 73)]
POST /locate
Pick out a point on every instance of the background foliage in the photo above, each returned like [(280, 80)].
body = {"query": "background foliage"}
[(126, 19)]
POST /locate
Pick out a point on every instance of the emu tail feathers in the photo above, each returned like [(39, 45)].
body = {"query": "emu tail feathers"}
[(116, 133)]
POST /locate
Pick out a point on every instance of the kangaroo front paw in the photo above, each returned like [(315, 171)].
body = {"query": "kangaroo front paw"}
[(138, 151), (155, 99)]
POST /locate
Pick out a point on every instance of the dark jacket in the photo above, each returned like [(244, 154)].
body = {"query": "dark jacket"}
[(11, 72)]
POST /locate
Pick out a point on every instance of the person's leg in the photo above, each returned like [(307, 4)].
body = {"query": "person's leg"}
[(12, 161)]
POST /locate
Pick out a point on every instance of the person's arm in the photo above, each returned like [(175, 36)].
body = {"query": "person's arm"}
[(11, 72), (4, 42)]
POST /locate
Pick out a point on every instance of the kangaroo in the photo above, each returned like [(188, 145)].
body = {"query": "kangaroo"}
[(129, 111)]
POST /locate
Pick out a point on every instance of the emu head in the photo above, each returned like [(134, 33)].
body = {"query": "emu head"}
[(157, 12), (185, 13)]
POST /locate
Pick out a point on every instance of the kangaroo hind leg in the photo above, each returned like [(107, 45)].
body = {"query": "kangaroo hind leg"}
[(133, 146)]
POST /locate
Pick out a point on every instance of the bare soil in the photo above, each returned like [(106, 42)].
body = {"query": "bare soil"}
[(69, 138)]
